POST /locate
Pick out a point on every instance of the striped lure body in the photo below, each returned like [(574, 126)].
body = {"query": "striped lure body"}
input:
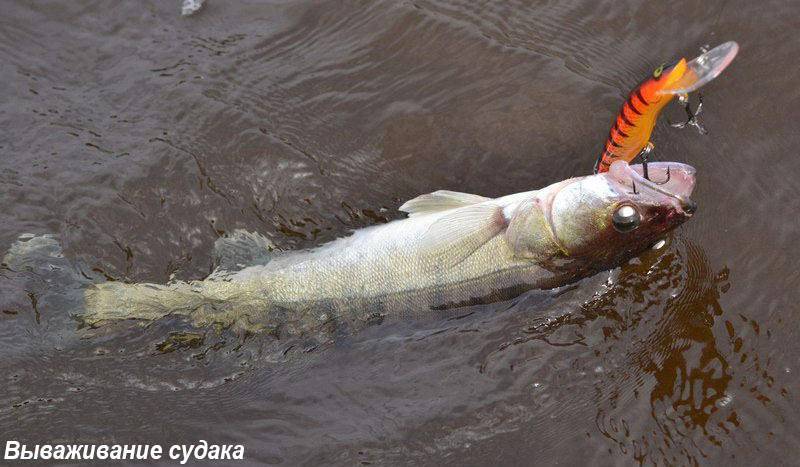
[(637, 117)]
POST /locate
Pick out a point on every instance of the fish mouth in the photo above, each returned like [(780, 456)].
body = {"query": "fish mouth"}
[(670, 182)]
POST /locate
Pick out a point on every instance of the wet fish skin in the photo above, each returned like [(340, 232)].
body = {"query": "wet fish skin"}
[(454, 248)]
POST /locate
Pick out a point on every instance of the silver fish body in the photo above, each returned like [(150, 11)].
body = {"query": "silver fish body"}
[(454, 249)]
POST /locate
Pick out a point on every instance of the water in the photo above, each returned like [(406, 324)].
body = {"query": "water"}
[(138, 136)]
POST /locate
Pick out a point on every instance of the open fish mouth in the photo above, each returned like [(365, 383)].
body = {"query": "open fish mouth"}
[(670, 182)]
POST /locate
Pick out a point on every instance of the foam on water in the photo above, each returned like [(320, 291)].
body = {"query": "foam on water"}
[(189, 7)]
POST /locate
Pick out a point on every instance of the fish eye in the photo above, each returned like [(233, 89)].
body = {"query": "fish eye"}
[(626, 218), (657, 72)]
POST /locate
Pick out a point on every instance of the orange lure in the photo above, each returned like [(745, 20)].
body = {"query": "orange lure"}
[(637, 117)]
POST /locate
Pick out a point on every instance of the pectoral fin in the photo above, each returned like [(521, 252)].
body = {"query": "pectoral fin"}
[(438, 201), (455, 236)]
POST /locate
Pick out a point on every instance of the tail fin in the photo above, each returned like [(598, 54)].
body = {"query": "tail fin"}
[(34, 270), (41, 256), (40, 261)]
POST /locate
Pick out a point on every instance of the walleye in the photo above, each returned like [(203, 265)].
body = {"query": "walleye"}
[(454, 249)]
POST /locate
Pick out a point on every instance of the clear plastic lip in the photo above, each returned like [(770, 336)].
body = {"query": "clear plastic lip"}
[(704, 68)]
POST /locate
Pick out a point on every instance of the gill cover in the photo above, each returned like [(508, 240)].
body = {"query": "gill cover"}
[(530, 234)]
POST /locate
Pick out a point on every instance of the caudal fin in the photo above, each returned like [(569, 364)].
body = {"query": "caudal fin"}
[(35, 274), (39, 262)]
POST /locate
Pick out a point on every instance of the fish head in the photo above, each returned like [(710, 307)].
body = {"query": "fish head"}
[(604, 218)]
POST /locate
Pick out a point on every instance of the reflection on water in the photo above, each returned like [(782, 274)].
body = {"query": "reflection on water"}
[(689, 389), (673, 361), (138, 137)]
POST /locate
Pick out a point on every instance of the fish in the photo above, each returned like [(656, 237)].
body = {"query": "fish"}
[(452, 250), (633, 126)]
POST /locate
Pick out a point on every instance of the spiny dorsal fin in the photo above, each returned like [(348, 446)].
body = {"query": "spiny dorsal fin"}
[(441, 200), (456, 235)]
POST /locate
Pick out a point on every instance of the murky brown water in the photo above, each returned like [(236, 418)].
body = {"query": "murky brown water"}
[(138, 137)]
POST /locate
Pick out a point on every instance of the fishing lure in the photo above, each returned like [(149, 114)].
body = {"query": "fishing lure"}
[(630, 135)]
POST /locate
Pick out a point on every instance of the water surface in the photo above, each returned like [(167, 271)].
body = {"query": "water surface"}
[(138, 137)]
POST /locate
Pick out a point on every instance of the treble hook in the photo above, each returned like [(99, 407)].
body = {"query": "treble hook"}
[(646, 150), (691, 117)]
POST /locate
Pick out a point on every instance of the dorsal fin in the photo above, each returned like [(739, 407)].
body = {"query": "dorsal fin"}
[(456, 235), (441, 200), (240, 249)]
